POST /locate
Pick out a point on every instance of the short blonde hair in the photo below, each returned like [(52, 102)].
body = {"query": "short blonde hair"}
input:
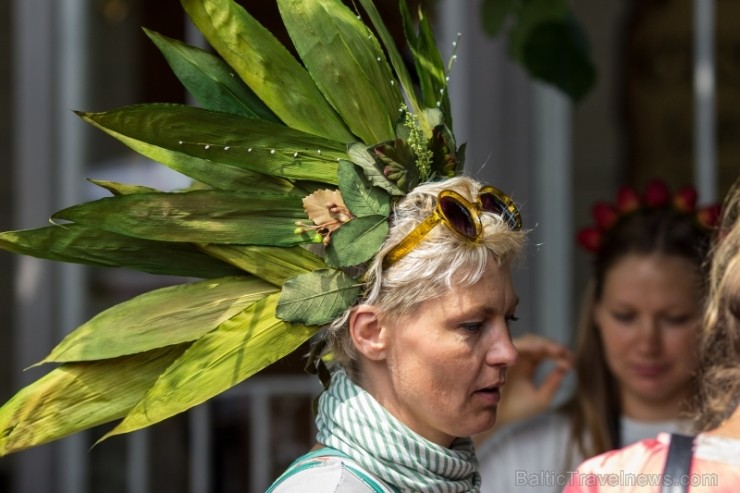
[(440, 262)]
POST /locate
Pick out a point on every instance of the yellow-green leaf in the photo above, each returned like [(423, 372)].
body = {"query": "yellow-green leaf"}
[(121, 188), (347, 63), (200, 216), (207, 144), (162, 317), (267, 67), (273, 264), (77, 396), (430, 68), (399, 65), (76, 243), (224, 357), (210, 80)]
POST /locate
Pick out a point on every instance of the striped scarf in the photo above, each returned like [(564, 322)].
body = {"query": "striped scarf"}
[(352, 421)]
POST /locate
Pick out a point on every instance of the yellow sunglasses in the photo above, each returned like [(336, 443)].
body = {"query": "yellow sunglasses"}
[(460, 216)]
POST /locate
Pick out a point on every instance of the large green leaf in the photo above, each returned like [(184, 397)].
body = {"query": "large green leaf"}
[(169, 132), (356, 241), (317, 298), (273, 264), (430, 67), (359, 195), (267, 67), (77, 396), (159, 318), (224, 357), (347, 63), (201, 216), (81, 244), (397, 61), (210, 80)]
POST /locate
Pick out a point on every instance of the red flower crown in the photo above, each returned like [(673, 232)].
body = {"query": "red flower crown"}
[(656, 195)]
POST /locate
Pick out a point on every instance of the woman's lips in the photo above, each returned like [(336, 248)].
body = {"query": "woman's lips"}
[(490, 395), (650, 371)]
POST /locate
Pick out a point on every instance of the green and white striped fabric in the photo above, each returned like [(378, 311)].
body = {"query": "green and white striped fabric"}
[(352, 421)]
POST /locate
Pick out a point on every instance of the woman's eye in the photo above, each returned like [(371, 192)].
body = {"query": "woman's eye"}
[(471, 326), (678, 319), (623, 317), (510, 319)]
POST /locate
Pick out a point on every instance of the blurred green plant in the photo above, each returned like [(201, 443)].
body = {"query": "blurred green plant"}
[(545, 38)]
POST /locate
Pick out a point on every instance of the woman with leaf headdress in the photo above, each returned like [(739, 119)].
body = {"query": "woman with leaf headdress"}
[(305, 177), (418, 362)]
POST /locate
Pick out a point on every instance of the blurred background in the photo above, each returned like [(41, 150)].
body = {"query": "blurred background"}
[(665, 103)]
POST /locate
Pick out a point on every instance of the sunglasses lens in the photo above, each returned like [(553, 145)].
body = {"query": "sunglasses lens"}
[(491, 203), (458, 217)]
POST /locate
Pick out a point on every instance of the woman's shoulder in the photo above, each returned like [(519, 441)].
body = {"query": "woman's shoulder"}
[(326, 470), (637, 456), (641, 464)]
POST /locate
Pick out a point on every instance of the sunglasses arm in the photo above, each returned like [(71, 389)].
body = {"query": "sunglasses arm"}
[(412, 239)]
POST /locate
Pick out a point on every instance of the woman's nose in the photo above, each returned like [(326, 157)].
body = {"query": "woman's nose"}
[(502, 351), (649, 335)]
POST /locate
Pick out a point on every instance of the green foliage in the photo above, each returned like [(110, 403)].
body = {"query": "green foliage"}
[(318, 297), (199, 216), (210, 80), (237, 349), (159, 318), (80, 244), (546, 39), (267, 67), (333, 42), (273, 137)]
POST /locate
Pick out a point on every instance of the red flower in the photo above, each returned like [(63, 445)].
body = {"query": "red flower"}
[(657, 194), (709, 216), (604, 214), (685, 199), (590, 239), (628, 200)]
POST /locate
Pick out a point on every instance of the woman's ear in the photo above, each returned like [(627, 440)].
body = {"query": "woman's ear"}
[(368, 334)]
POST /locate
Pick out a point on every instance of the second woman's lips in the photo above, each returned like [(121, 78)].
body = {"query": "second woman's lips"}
[(649, 371)]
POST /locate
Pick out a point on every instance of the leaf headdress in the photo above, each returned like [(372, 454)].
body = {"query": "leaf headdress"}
[(295, 166)]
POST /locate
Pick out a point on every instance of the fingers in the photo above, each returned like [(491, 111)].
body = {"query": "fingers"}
[(550, 384), (534, 349), (537, 345)]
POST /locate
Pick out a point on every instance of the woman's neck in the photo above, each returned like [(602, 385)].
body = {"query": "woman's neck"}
[(640, 410)]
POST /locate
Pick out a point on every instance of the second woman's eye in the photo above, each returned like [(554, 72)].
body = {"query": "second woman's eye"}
[(678, 319), (624, 317)]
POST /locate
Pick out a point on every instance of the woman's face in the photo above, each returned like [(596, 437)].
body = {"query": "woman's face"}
[(447, 361), (648, 317)]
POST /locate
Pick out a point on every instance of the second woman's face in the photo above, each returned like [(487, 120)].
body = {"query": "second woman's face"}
[(648, 317), (447, 360)]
